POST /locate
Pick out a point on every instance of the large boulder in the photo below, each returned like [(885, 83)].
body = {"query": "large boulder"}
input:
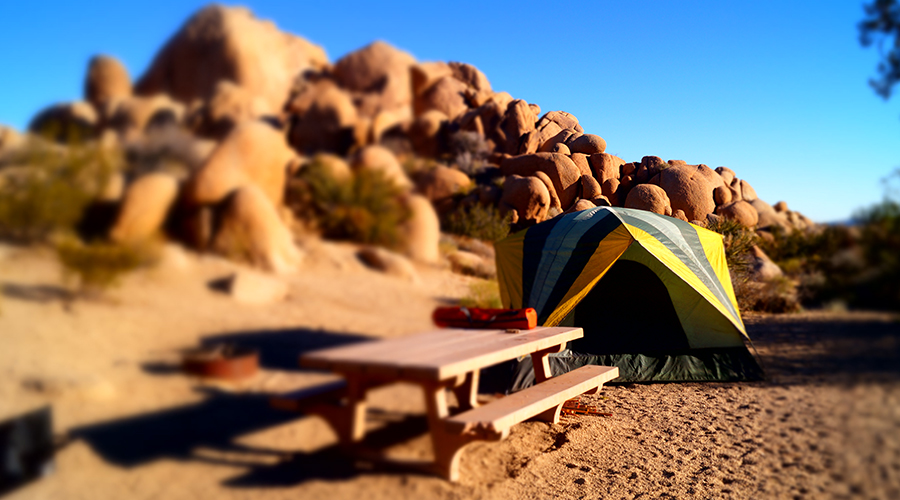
[(229, 43), (447, 95), (590, 188), (254, 153), (107, 81), (764, 269), (715, 180), (74, 121), (726, 174), (425, 74), (379, 70), (229, 105), (131, 117), (741, 212), (380, 158), (649, 197), (388, 262), (144, 209), (471, 76), (10, 139), (722, 195), (768, 217), (587, 144), (250, 229), (649, 167), (561, 170), (563, 119), (422, 231), (612, 189), (606, 166), (323, 118), (581, 160), (747, 191), (555, 205), (688, 190), (440, 184), (528, 196), (518, 121), (425, 132), (563, 136)]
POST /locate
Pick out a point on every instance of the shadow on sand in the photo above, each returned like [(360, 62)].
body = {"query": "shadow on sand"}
[(42, 294), (218, 421), (828, 350)]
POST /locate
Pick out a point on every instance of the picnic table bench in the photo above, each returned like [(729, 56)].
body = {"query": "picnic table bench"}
[(441, 361)]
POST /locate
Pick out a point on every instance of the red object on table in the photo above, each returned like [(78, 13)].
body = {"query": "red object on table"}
[(476, 317)]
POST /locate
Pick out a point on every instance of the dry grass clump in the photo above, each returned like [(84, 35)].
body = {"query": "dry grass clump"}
[(366, 208), (45, 188), (477, 221), (92, 268)]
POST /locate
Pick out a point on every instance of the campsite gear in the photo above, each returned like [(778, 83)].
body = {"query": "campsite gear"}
[(477, 317), (441, 360), (576, 407), (26, 448), (652, 293), (222, 361)]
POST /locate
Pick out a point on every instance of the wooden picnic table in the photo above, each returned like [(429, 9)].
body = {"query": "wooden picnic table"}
[(442, 360)]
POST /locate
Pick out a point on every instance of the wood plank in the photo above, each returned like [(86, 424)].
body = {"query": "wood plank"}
[(390, 350), (494, 350), (422, 346), (498, 416)]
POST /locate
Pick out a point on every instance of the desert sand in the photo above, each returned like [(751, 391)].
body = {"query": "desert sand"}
[(826, 424)]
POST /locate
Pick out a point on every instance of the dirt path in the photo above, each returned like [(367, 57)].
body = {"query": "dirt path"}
[(826, 424)]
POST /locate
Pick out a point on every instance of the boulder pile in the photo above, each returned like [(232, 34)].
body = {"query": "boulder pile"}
[(254, 106)]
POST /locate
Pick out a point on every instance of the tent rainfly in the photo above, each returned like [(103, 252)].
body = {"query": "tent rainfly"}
[(652, 293)]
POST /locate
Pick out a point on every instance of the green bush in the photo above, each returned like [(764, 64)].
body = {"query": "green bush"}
[(92, 268), (477, 221), (45, 189), (365, 208)]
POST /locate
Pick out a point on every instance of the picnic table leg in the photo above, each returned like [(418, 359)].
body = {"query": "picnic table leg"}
[(541, 362), (348, 420), (447, 447), (467, 392)]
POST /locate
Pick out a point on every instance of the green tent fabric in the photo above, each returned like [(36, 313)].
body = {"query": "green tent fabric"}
[(652, 293)]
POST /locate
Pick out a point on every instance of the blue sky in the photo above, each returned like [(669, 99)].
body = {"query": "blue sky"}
[(776, 91)]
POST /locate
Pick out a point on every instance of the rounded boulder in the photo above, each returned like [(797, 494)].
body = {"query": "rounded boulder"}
[(688, 190), (649, 197)]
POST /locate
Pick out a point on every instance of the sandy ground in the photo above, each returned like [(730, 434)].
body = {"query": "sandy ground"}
[(825, 425)]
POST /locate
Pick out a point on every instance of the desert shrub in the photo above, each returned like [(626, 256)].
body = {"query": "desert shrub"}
[(821, 262), (46, 187), (483, 293), (365, 208), (738, 241), (477, 221), (469, 150), (777, 296), (91, 268)]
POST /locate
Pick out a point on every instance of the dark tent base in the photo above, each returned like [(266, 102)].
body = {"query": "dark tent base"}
[(728, 364)]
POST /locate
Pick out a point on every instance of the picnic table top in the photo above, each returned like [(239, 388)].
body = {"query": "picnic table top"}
[(439, 354)]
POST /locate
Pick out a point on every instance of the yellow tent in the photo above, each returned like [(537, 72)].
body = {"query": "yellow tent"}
[(653, 294)]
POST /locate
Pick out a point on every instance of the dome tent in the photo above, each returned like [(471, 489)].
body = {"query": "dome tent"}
[(653, 295)]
